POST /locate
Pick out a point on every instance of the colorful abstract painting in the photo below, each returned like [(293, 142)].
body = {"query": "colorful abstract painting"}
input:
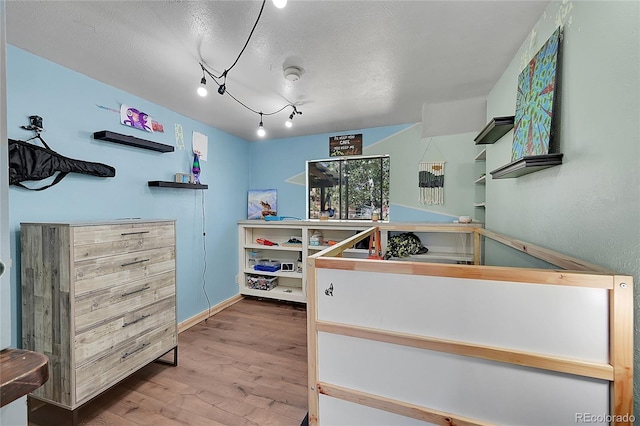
[(534, 102)]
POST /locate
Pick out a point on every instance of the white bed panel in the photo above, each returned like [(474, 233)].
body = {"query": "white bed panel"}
[(504, 394), (557, 320)]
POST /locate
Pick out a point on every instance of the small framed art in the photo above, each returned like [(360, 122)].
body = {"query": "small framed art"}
[(261, 203)]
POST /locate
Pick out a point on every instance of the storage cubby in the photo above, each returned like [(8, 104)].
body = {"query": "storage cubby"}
[(444, 247), (480, 193), (332, 235)]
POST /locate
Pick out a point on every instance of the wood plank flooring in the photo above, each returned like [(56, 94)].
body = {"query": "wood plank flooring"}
[(246, 365)]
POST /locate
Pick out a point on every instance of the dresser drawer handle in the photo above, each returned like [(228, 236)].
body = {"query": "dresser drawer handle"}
[(127, 324), (127, 354), (129, 293), (134, 233), (133, 263)]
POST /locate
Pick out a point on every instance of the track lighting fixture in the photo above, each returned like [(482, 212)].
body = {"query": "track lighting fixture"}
[(202, 89), (261, 131), (289, 122), (221, 79)]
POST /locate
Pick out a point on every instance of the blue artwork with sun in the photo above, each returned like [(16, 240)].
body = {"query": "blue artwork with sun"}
[(534, 102)]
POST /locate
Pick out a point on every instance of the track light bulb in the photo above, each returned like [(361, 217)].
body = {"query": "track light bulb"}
[(289, 122), (202, 89), (279, 3), (261, 131)]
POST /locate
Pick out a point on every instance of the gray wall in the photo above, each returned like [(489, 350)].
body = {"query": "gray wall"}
[(589, 207)]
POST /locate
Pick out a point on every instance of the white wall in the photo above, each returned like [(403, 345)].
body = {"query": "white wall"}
[(589, 207)]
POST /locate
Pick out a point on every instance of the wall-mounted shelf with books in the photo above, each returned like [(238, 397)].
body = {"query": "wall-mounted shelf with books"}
[(106, 135), (494, 130), (526, 165), (163, 184)]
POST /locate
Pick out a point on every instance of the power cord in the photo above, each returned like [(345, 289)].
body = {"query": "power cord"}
[(204, 250)]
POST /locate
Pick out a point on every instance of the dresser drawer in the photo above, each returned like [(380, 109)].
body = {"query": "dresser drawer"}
[(99, 306), (99, 341), (95, 274), (105, 240), (94, 377)]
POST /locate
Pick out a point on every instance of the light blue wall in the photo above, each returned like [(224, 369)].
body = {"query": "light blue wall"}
[(280, 164), (589, 207), (68, 101)]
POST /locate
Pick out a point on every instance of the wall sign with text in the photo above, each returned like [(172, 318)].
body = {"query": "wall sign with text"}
[(345, 145)]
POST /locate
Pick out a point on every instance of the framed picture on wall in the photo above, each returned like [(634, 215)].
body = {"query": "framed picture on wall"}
[(261, 203), (535, 100)]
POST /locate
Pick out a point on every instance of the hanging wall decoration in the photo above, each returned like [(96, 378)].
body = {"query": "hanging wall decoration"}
[(431, 178), (179, 136), (132, 117), (431, 183), (345, 145), (155, 126), (534, 102)]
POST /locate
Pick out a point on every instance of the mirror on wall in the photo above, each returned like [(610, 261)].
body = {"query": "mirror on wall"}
[(353, 188)]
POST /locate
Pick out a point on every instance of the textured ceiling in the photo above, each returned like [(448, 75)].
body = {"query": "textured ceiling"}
[(367, 63)]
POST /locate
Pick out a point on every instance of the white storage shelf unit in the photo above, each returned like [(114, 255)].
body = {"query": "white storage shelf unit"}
[(447, 243), (289, 283)]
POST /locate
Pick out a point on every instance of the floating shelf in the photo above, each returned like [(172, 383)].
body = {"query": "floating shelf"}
[(482, 156), (163, 184), (481, 205), (494, 130), (106, 135), (526, 165), (481, 180)]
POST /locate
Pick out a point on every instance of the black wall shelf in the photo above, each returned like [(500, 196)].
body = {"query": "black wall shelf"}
[(106, 135), (163, 184), (494, 130), (526, 165)]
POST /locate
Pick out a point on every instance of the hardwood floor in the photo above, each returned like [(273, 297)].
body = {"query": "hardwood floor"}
[(246, 365)]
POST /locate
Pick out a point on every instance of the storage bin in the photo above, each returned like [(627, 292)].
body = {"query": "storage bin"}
[(267, 265), (258, 282)]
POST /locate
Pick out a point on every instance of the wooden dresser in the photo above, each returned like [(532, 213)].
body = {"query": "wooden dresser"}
[(98, 299)]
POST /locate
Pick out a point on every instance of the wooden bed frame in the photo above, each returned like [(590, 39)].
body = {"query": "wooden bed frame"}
[(407, 342)]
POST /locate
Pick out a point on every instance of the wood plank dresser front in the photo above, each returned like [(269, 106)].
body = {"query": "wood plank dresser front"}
[(99, 299)]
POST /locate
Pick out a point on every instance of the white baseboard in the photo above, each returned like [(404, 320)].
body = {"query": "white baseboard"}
[(190, 322)]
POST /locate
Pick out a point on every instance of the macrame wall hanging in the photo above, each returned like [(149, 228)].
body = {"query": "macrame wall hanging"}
[(431, 179)]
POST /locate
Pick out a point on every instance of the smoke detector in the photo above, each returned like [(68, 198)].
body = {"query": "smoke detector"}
[(293, 73)]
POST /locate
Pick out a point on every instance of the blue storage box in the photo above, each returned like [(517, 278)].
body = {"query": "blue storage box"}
[(267, 265)]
